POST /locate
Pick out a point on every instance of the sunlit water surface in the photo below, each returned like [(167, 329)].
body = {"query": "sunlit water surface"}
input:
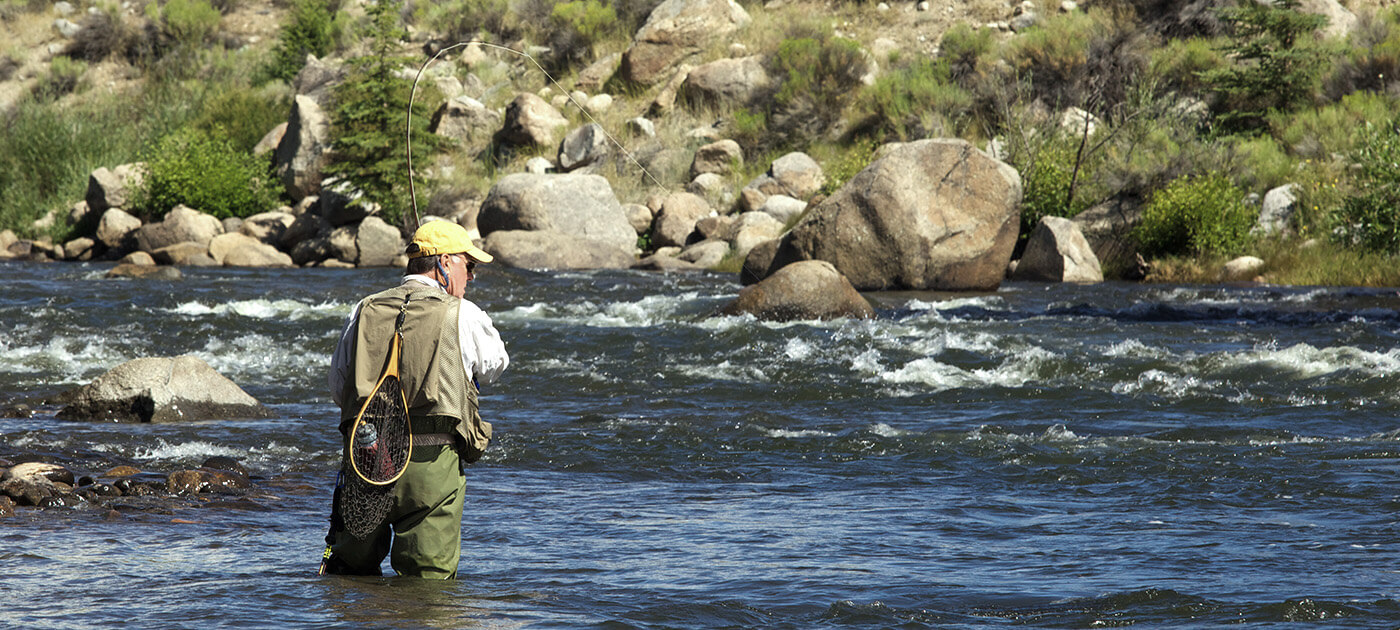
[(1045, 455)]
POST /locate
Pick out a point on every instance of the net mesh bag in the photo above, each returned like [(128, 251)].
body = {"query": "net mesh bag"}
[(381, 444)]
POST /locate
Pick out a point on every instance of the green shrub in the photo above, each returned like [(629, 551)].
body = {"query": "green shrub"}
[(1180, 63), (308, 30), (1048, 182), (1196, 215), (1087, 59), (244, 115), (63, 78), (1368, 217), (191, 23), (463, 20), (102, 35), (1321, 132), (901, 103), (963, 49), (1261, 163), (854, 159), (206, 173)]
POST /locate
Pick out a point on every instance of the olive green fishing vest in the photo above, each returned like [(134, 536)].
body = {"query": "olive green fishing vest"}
[(435, 381)]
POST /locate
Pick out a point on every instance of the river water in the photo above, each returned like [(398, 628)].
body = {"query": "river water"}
[(1044, 456)]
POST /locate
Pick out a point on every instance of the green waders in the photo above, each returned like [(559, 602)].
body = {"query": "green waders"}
[(426, 521)]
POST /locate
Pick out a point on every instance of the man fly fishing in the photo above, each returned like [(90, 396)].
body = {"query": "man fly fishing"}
[(404, 374)]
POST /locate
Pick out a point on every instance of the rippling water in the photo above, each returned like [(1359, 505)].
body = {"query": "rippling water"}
[(1046, 455)]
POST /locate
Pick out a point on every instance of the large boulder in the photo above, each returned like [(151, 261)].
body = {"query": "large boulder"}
[(806, 290), (795, 175), (932, 214), (1109, 229), (1276, 213), (582, 206), (584, 146), (161, 389), (677, 218), (1057, 251), (182, 225), (529, 120), (237, 249), (144, 272), (717, 157), (377, 243), (734, 81), (186, 254), (302, 153), (465, 120), (676, 30), (112, 188), (117, 229), (548, 249)]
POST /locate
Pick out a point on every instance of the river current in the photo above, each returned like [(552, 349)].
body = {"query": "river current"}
[(1044, 455)]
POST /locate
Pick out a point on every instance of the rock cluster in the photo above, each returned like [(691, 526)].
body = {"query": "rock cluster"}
[(45, 484)]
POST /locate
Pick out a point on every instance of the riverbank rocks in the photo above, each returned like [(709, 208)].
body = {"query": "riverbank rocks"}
[(795, 175), (240, 250), (117, 229), (111, 188), (161, 389), (807, 290), (582, 207), (465, 120), (676, 30), (181, 225), (1242, 269), (1057, 251), (529, 120), (677, 218), (585, 146), (1276, 213), (932, 214), (728, 81)]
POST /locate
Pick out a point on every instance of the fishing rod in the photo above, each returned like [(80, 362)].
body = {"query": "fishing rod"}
[(408, 133)]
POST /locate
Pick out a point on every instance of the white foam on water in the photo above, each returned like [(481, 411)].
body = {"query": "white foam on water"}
[(1307, 361), (799, 349), (798, 433), (261, 356), (726, 371), (164, 451), (1134, 349), (884, 430), (70, 358), (648, 311), (264, 309), (1166, 384)]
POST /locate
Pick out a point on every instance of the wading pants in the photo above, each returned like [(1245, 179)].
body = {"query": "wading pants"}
[(426, 522)]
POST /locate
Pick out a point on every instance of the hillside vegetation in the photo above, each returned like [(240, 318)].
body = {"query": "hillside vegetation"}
[(1187, 111)]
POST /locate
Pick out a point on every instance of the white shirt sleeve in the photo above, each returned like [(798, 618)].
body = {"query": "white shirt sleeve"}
[(483, 352), (340, 361)]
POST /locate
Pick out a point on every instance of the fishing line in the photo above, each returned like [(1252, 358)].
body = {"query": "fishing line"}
[(408, 135)]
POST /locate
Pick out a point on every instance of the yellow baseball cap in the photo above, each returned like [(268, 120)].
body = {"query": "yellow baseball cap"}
[(445, 237)]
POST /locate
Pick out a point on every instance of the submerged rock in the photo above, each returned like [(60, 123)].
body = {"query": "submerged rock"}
[(161, 389)]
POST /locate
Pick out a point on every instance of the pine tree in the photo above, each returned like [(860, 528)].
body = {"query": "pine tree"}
[(1276, 62), (367, 126)]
